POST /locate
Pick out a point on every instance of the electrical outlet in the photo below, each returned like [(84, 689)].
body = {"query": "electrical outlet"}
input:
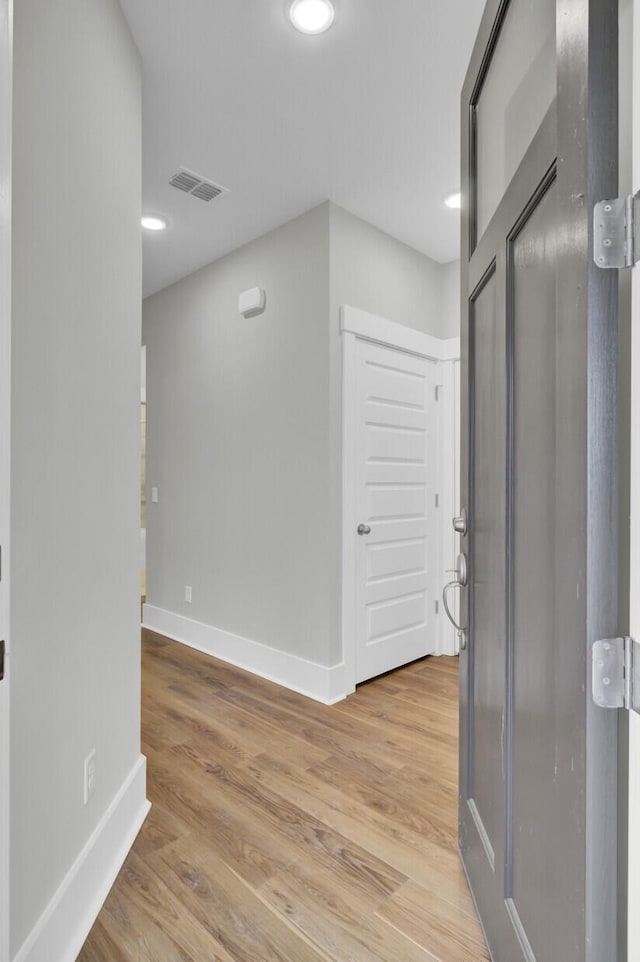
[(154, 495), (89, 776), (188, 594)]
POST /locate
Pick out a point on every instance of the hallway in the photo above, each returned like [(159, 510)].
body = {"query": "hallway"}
[(286, 831)]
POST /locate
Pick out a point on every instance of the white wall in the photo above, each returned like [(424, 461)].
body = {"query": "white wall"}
[(377, 273), (238, 443), (75, 450), (244, 432)]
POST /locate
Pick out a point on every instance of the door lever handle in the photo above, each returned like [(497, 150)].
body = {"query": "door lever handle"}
[(459, 582), (445, 591)]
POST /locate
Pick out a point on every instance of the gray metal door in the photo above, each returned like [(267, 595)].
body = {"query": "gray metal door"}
[(538, 760)]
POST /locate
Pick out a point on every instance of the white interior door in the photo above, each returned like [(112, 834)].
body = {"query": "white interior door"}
[(5, 372), (396, 553), (634, 590)]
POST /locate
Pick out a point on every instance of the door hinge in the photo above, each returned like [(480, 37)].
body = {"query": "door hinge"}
[(2, 653), (616, 673), (616, 242)]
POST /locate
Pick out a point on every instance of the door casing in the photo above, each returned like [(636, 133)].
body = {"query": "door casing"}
[(357, 324), (6, 96)]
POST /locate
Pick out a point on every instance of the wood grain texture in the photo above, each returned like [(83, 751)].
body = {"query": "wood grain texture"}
[(287, 831)]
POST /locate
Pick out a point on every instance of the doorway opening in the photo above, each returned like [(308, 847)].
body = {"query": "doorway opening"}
[(400, 461)]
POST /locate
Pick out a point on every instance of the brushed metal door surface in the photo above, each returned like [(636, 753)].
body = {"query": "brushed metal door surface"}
[(538, 773)]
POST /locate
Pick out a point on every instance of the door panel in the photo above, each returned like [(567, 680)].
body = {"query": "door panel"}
[(390, 442), (487, 332), (391, 559), (538, 825), (395, 562), (538, 477), (517, 91), (385, 502)]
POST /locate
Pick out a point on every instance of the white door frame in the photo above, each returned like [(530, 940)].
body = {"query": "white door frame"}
[(359, 325), (634, 534), (6, 97)]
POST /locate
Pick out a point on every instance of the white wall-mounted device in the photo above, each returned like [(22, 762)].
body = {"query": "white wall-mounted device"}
[(252, 302)]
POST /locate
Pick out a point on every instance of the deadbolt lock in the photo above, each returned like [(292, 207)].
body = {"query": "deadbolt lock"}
[(460, 523)]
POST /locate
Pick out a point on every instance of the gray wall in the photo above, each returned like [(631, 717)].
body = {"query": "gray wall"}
[(75, 420), (450, 316), (238, 442), (243, 425), (377, 273)]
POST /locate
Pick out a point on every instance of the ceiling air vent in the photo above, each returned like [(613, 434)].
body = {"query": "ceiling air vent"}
[(191, 183)]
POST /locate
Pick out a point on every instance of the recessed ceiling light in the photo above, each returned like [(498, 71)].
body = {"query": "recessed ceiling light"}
[(454, 201), (153, 223), (311, 16)]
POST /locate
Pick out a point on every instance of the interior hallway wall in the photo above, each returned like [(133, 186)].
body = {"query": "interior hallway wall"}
[(244, 426), (238, 443), (75, 655), (377, 273)]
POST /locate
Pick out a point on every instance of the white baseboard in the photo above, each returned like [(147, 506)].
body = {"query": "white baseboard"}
[(325, 684), (65, 923)]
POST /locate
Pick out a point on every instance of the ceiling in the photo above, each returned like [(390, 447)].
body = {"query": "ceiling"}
[(365, 115)]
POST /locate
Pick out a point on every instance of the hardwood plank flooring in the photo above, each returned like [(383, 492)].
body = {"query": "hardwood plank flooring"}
[(283, 830)]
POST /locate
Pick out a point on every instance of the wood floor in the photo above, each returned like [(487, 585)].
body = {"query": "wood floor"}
[(286, 831)]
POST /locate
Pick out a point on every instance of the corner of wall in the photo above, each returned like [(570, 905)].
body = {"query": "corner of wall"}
[(326, 684), (258, 392), (63, 927)]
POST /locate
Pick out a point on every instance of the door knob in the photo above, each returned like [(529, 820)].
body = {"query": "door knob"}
[(364, 529), (460, 523)]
